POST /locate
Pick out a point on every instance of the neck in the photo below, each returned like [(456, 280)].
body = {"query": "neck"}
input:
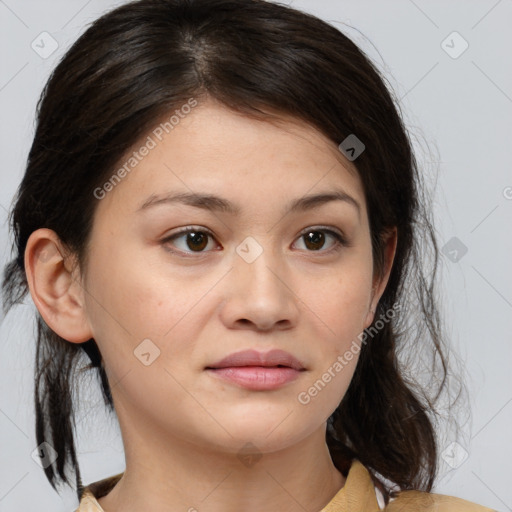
[(174, 475)]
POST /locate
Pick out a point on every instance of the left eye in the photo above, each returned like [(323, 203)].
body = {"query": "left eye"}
[(314, 239), (194, 240)]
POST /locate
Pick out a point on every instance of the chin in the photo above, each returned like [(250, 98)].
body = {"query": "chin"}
[(264, 432)]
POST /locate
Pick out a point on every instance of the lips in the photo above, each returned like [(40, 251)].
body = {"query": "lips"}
[(274, 358), (257, 371)]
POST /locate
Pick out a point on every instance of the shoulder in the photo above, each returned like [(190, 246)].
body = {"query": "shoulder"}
[(418, 501)]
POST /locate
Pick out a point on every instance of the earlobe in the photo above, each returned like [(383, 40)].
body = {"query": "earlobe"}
[(369, 317), (57, 295)]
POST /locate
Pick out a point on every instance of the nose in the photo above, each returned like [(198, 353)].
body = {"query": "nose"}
[(259, 296)]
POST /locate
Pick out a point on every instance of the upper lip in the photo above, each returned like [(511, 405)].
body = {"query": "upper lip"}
[(256, 358)]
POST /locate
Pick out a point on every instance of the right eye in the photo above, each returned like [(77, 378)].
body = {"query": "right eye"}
[(193, 240)]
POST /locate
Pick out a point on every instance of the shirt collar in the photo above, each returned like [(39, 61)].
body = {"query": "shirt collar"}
[(358, 493)]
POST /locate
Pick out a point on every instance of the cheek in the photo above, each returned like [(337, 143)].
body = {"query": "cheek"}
[(338, 309), (124, 290), (129, 302), (339, 304), (145, 329)]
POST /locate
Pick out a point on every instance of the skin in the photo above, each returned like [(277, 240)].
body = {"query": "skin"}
[(183, 429)]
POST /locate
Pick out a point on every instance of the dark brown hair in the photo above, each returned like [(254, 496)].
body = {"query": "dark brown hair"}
[(144, 59)]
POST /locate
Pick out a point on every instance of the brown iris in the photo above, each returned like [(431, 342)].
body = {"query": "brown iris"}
[(314, 240), (197, 240)]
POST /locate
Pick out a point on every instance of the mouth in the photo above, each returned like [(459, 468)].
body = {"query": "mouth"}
[(258, 371)]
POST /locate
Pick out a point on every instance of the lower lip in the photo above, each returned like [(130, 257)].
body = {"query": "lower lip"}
[(257, 378)]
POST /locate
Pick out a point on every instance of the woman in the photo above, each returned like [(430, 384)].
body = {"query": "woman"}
[(222, 209)]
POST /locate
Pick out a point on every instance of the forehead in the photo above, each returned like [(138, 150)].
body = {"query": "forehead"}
[(226, 153)]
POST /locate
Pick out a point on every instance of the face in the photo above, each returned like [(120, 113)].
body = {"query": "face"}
[(263, 267)]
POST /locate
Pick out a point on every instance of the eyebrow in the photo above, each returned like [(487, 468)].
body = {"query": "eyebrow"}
[(218, 204)]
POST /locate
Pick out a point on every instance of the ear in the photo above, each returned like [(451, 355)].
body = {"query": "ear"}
[(56, 292), (380, 281)]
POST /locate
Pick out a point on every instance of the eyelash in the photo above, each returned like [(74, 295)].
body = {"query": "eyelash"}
[(341, 241)]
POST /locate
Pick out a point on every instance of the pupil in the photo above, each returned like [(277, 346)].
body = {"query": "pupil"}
[(313, 239)]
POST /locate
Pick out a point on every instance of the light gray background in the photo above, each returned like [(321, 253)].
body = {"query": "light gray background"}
[(461, 108)]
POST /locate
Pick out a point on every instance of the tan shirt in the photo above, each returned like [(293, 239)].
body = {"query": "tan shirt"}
[(357, 495)]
